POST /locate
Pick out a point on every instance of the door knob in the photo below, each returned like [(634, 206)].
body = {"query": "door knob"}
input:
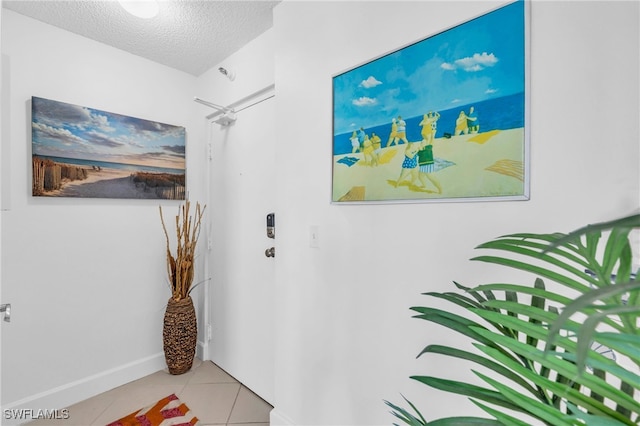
[(270, 252), (6, 308)]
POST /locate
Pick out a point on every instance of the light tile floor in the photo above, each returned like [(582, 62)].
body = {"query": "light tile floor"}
[(213, 396)]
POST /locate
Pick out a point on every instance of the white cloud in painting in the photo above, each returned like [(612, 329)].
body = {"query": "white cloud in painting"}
[(474, 63), (54, 133), (370, 82), (97, 138), (58, 114), (101, 122), (174, 149), (364, 101)]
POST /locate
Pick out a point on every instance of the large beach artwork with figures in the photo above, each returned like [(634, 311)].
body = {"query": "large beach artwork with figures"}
[(443, 119), (84, 152)]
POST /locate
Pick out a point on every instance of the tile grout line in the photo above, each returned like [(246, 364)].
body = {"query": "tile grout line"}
[(234, 404), (106, 407)]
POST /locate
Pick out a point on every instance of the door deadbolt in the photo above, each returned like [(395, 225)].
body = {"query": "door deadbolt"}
[(270, 252), (271, 225)]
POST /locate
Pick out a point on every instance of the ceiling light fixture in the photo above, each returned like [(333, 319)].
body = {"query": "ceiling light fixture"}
[(229, 74), (141, 8)]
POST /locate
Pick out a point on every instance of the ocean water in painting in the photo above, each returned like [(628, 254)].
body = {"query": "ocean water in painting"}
[(493, 114), (109, 165)]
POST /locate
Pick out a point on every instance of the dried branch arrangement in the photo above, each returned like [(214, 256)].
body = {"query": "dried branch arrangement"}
[(180, 267)]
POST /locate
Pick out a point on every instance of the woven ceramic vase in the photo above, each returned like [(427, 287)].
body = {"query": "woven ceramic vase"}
[(179, 335)]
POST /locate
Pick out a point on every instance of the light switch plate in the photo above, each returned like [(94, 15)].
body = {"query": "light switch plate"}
[(314, 236)]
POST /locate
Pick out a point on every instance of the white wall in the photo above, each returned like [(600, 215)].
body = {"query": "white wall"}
[(86, 277), (345, 339)]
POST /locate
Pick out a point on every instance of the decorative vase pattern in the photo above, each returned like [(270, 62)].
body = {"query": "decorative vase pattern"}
[(179, 335)]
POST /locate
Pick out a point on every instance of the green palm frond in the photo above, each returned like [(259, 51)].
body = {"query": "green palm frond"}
[(535, 344), (405, 415)]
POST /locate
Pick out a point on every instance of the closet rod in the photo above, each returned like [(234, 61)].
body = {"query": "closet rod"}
[(248, 98), (257, 102)]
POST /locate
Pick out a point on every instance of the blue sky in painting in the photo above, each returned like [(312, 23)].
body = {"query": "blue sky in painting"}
[(64, 130), (478, 60)]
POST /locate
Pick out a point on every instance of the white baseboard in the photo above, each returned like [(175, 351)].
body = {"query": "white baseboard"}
[(276, 418), (202, 351), (79, 390)]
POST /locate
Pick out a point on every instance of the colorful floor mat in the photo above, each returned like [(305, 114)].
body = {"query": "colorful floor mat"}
[(169, 411)]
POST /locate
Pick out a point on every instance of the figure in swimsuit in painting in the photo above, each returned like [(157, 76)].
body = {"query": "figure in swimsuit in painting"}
[(361, 135), (355, 143), (429, 126), (377, 148), (410, 162), (402, 130), (472, 121), (426, 166), (461, 124), (393, 136), (367, 151)]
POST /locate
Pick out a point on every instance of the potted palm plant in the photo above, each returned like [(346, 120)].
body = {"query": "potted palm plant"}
[(180, 332), (562, 351)]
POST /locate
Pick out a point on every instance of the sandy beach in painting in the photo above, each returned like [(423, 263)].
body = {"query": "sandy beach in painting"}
[(484, 165), (104, 183)]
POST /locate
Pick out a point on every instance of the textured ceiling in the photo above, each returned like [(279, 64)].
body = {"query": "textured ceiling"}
[(188, 35)]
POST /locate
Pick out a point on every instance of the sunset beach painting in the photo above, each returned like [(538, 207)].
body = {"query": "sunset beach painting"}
[(83, 152), (442, 119)]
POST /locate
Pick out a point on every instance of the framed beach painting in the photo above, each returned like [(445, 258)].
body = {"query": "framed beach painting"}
[(83, 152), (442, 119)]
